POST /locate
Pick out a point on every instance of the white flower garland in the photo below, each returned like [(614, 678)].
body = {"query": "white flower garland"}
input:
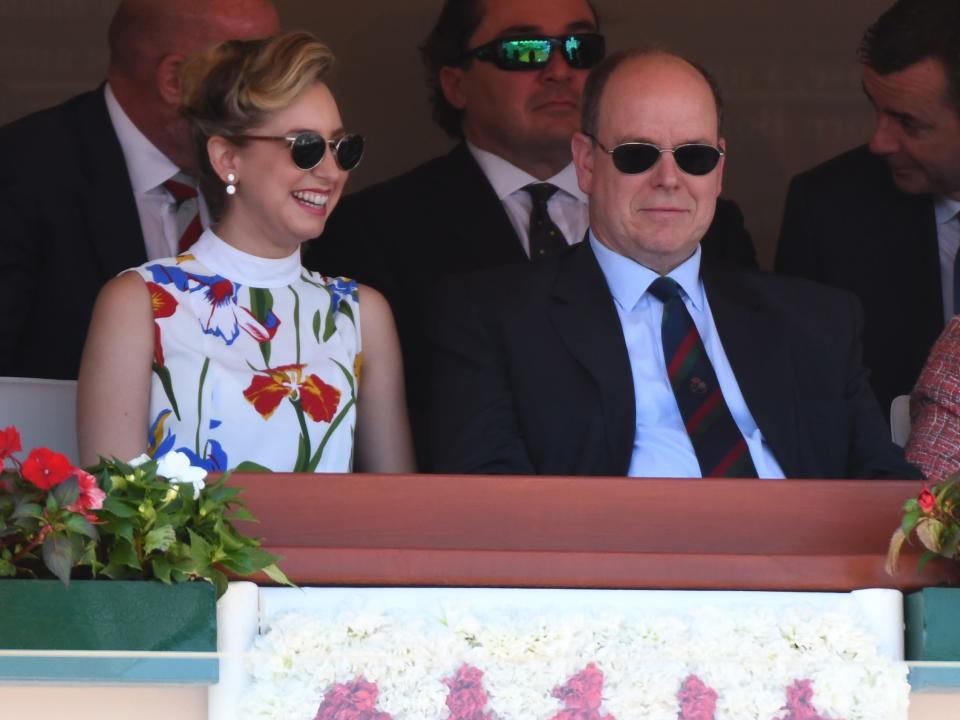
[(749, 656)]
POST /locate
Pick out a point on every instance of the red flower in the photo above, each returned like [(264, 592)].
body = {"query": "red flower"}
[(9, 443), (164, 305), (355, 700), (467, 698), (697, 701), (91, 496), (926, 501), (271, 386), (582, 696), (800, 702), (45, 468)]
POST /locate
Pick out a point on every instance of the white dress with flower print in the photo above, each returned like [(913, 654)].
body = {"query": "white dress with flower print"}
[(256, 360)]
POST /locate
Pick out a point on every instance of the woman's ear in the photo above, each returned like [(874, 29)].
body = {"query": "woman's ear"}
[(223, 156)]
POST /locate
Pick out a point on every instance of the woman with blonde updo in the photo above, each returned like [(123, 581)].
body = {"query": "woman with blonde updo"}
[(232, 352)]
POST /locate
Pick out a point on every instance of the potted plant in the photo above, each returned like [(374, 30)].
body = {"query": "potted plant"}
[(162, 536), (933, 517)]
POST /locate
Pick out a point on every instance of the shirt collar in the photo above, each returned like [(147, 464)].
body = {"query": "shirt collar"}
[(945, 209), (628, 280), (506, 178), (147, 166)]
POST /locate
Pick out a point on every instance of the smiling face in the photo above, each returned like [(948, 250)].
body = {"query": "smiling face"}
[(917, 129), (277, 205), (655, 217), (526, 117)]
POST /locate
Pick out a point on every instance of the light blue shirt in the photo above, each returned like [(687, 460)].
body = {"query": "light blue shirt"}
[(661, 446)]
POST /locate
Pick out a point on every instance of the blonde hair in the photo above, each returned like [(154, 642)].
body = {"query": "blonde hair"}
[(233, 87)]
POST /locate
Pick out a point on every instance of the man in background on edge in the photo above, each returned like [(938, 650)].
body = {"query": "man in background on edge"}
[(881, 220), (85, 187)]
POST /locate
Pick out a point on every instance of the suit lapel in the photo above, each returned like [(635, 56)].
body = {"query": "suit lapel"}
[(586, 320), (111, 215), (484, 235), (756, 345)]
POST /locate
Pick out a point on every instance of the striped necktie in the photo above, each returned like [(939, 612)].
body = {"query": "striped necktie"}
[(183, 188), (717, 442)]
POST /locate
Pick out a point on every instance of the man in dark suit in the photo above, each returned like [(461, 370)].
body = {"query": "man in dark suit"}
[(81, 184), (881, 220), (628, 355), (474, 207)]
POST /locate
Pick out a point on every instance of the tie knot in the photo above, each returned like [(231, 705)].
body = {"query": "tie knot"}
[(182, 187), (664, 289), (541, 192)]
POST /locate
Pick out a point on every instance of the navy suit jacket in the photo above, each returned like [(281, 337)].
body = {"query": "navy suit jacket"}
[(532, 373), (68, 223), (847, 224), (441, 219)]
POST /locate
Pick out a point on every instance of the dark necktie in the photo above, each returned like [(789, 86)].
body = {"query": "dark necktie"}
[(956, 277), (717, 442), (184, 191), (545, 237)]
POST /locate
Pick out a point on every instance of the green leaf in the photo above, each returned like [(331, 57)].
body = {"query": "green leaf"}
[(58, 556), (316, 325), (7, 569), (123, 553), (79, 524), (161, 569), (924, 559), (200, 551), (118, 507), (346, 310), (165, 380), (25, 509), (67, 492), (277, 575), (160, 538), (910, 520), (330, 326), (251, 467)]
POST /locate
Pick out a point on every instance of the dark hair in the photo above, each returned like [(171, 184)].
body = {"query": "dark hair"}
[(912, 31), (598, 77), (445, 46)]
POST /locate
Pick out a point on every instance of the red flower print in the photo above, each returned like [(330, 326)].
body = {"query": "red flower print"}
[(45, 468), (355, 700), (9, 443), (467, 698), (800, 702), (91, 497), (697, 701), (582, 696), (163, 303), (269, 388), (926, 501)]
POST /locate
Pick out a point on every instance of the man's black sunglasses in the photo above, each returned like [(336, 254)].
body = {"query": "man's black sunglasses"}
[(308, 148), (581, 51), (632, 158)]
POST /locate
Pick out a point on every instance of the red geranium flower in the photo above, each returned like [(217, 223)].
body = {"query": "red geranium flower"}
[(269, 388), (926, 501), (45, 468), (9, 443)]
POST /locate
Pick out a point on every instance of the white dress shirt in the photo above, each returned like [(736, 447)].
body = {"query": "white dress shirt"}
[(567, 207), (661, 446), (948, 238), (149, 169)]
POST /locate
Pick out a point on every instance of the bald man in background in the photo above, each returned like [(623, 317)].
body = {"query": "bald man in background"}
[(84, 190)]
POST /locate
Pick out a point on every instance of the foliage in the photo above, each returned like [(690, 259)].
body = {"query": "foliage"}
[(143, 519), (934, 517)]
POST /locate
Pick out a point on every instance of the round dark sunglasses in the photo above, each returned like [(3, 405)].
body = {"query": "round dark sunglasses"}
[(581, 51), (308, 148), (632, 158)]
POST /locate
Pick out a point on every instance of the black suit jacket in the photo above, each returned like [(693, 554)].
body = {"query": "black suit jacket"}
[(847, 224), (68, 223), (533, 376), (440, 219)]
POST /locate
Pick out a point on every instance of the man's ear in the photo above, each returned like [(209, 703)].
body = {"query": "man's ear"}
[(168, 79), (223, 157), (583, 151), (451, 83)]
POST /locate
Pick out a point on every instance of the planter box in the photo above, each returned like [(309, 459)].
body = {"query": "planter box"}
[(933, 624), (105, 630)]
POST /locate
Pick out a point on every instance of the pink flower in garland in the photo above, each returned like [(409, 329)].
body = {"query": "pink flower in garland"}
[(697, 701), (582, 696), (467, 698), (800, 702), (355, 700)]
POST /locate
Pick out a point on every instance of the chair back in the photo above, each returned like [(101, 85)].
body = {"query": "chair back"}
[(44, 411), (900, 419)]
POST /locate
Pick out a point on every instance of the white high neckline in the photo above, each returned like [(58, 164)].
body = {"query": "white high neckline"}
[(244, 268)]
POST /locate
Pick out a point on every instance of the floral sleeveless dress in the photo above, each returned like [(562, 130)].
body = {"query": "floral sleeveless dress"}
[(256, 360)]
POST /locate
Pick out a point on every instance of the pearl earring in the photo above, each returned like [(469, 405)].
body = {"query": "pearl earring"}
[(231, 184)]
